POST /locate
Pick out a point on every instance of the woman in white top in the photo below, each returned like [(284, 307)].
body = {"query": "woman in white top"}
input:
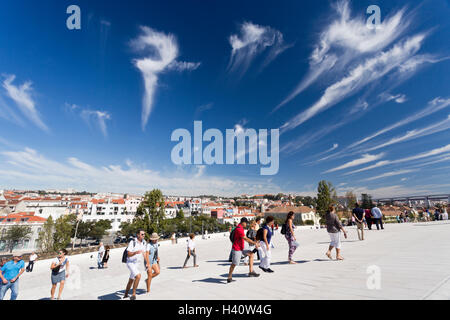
[(191, 251), (59, 267)]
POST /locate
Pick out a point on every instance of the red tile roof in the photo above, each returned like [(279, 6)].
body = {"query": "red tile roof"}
[(17, 218)]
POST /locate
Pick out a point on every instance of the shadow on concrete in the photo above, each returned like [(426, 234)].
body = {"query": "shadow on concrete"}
[(236, 275), (218, 261), (211, 280), (174, 268), (319, 260), (328, 242), (287, 262), (118, 295)]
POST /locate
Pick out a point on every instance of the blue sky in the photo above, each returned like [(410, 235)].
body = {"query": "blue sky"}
[(94, 109)]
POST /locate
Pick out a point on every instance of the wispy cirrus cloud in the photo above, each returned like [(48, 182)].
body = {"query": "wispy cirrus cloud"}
[(22, 97), (252, 41), (367, 72), (93, 118), (161, 52), (334, 147), (366, 158), (422, 155), (399, 98), (346, 39), (98, 117), (390, 174), (416, 133), (184, 66), (433, 106)]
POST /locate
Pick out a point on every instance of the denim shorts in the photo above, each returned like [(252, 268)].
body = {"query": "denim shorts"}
[(61, 276)]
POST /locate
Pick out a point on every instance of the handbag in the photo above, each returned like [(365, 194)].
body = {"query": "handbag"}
[(55, 271)]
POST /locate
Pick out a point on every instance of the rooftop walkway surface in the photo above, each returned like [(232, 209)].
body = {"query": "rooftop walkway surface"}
[(403, 261)]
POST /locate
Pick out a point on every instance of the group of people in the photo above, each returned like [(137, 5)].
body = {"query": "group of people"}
[(440, 214), (103, 256), (10, 272), (259, 239), (141, 255), (365, 218)]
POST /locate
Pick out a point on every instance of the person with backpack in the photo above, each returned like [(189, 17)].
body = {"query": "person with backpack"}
[(264, 236), (288, 230), (152, 259), (59, 267), (238, 238), (134, 256)]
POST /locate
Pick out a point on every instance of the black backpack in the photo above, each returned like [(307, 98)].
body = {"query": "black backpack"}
[(260, 234), (283, 228), (125, 252), (232, 234)]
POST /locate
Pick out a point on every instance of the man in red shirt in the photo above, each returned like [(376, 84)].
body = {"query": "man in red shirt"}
[(238, 250)]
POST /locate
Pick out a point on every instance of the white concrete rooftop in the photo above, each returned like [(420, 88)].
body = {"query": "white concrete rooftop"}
[(413, 260)]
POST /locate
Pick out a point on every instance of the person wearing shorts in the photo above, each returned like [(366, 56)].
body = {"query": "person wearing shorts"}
[(59, 267), (238, 251), (135, 259), (152, 260), (334, 228)]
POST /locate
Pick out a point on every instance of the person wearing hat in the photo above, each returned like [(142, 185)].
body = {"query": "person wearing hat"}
[(237, 251), (9, 276), (152, 267)]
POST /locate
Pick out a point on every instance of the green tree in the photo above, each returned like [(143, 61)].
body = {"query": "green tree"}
[(84, 229), (64, 229), (326, 196), (279, 196), (350, 198), (180, 214), (366, 200), (45, 239), (129, 228), (154, 205), (15, 234), (99, 229)]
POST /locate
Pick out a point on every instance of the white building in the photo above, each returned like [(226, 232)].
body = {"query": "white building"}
[(114, 210), (22, 219)]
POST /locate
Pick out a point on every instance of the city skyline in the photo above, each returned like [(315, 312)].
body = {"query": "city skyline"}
[(94, 109)]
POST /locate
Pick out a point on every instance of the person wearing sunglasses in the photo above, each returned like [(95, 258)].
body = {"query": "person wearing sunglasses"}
[(59, 267), (136, 251)]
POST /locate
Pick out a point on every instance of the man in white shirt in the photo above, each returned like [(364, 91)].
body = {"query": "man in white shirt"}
[(135, 260), (101, 252), (31, 261), (377, 217)]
